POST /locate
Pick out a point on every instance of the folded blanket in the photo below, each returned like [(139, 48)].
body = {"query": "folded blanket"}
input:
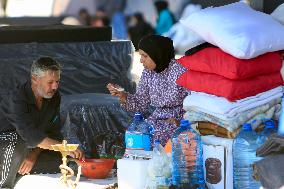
[(214, 105), (254, 116), (207, 128)]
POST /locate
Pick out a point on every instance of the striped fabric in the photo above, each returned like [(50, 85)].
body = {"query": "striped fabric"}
[(10, 140), (13, 151)]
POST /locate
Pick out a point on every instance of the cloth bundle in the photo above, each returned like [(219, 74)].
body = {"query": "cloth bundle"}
[(253, 116), (207, 128), (269, 170)]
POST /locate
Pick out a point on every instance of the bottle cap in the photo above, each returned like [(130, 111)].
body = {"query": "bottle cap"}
[(157, 142), (184, 123), (247, 127), (269, 124), (138, 116)]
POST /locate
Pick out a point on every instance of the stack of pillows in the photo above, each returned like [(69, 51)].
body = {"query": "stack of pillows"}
[(213, 71), (243, 63)]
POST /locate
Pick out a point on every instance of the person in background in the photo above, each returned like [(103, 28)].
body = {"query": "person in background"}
[(138, 28), (101, 18), (118, 22), (30, 124), (165, 18), (157, 87), (98, 21), (85, 17)]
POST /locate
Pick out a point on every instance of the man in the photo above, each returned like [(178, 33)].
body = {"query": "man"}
[(30, 124)]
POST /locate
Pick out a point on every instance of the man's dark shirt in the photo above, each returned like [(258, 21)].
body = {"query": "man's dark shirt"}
[(18, 112)]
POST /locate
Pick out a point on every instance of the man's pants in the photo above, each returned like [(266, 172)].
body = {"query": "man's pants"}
[(14, 151)]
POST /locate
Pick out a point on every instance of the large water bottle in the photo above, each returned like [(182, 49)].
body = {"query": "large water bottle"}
[(281, 120), (269, 129), (187, 158), (244, 155), (137, 135), (137, 120)]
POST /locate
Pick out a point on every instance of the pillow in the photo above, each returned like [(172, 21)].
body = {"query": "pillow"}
[(214, 60), (278, 13), (230, 89), (237, 29), (182, 38)]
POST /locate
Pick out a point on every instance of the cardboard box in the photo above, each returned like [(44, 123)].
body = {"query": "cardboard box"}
[(218, 162)]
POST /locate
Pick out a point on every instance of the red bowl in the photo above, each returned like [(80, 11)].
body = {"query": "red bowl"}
[(97, 168)]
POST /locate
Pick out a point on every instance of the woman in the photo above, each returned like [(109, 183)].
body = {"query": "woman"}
[(157, 86)]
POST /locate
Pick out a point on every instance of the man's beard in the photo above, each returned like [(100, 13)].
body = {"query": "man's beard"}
[(43, 94)]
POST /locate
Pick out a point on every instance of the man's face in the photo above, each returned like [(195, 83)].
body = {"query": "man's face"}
[(47, 84)]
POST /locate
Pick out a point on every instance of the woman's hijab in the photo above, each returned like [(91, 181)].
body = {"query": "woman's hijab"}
[(160, 49)]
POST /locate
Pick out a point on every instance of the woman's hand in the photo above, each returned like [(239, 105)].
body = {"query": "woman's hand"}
[(116, 90)]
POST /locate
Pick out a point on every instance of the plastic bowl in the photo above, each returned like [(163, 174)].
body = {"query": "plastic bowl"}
[(97, 168)]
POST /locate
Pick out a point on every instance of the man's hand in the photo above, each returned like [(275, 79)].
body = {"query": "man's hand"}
[(78, 154), (47, 142), (29, 161)]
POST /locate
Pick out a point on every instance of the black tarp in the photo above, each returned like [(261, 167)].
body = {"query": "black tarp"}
[(92, 120), (87, 66), (54, 33), (30, 21)]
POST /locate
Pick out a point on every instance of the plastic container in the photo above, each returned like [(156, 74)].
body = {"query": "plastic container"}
[(131, 174), (244, 155), (138, 136), (187, 158), (281, 120), (159, 169), (269, 129)]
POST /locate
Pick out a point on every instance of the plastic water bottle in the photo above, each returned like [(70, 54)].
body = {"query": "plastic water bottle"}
[(269, 128), (137, 120), (137, 135), (244, 155), (281, 119), (187, 158)]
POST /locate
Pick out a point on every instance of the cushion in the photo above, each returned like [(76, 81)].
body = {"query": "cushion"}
[(278, 13), (214, 60), (230, 89), (237, 29)]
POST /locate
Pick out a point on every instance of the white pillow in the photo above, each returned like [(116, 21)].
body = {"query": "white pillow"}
[(278, 13), (183, 38), (237, 29)]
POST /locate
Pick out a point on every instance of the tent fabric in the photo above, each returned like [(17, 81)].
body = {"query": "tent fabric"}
[(95, 121), (53, 33), (87, 67)]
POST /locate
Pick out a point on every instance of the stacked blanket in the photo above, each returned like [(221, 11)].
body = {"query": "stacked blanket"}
[(234, 78)]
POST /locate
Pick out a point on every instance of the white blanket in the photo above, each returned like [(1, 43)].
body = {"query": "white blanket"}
[(224, 109), (48, 181)]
